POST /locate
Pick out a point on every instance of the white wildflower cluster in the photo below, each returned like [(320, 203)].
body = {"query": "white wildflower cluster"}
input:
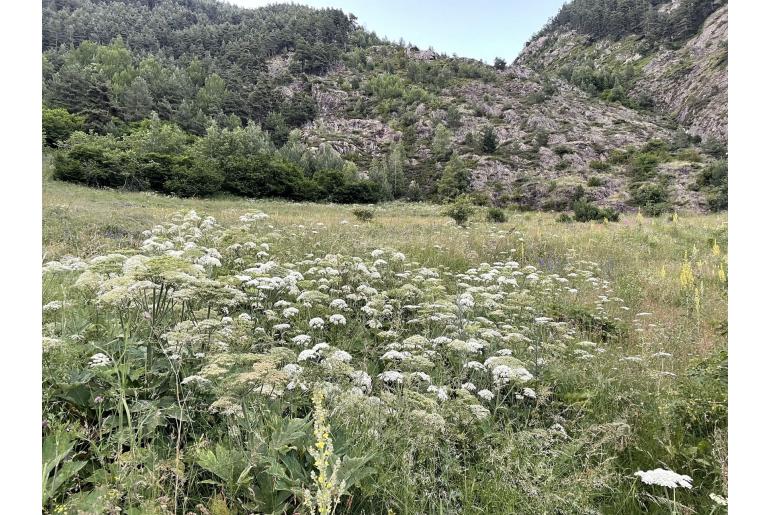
[(99, 360), (664, 477), (370, 327)]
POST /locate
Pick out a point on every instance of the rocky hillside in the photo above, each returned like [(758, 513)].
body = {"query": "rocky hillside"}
[(685, 78), (622, 120)]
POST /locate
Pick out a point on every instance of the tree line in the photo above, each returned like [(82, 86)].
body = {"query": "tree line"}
[(619, 18)]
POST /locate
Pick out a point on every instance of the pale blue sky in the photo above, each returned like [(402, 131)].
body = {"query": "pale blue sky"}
[(483, 29)]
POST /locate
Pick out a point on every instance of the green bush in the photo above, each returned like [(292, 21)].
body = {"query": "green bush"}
[(564, 218), (92, 160), (599, 165), (541, 139), (488, 140), (363, 214), (585, 212), (595, 181), (59, 124), (652, 197), (262, 176), (195, 177), (460, 211), (713, 181), (496, 215)]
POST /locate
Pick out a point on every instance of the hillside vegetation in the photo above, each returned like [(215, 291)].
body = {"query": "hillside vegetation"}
[(196, 98)]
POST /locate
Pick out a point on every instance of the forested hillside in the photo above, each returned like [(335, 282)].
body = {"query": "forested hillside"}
[(200, 97)]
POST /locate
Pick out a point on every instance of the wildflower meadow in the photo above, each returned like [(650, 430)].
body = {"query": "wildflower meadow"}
[(226, 356)]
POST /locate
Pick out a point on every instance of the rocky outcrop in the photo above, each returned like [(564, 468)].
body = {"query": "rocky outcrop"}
[(691, 82), (688, 83)]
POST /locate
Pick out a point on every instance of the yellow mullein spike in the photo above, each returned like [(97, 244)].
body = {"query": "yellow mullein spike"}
[(639, 217), (675, 218), (686, 277), (663, 272), (715, 249)]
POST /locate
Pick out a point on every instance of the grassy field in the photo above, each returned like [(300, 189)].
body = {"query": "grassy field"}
[(620, 328)]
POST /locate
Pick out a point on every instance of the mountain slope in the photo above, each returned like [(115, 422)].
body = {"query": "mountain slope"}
[(683, 74), (570, 119)]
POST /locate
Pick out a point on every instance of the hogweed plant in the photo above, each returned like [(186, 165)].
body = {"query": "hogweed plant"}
[(193, 363)]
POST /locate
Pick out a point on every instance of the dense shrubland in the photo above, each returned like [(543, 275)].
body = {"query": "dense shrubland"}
[(159, 156)]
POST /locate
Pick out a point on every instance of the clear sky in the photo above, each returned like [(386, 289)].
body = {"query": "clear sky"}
[(483, 29)]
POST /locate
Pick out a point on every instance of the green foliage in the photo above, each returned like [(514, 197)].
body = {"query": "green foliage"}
[(599, 166), (540, 140), (620, 18), (363, 214), (187, 63), (261, 175), (460, 211), (715, 148), (453, 117), (595, 181), (195, 177), (488, 140), (586, 212), (58, 125), (455, 179), (59, 466), (160, 156), (441, 143), (499, 64), (713, 181), (651, 196), (496, 215)]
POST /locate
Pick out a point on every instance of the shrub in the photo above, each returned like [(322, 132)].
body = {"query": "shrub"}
[(595, 181), (541, 139), (713, 180), (488, 140), (91, 160), (599, 165), (460, 211), (356, 192), (59, 124), (644, 165), (652, 197), (585, 211), (262, 176), (455, 179), (363, 214), (564, 218), (496, 215), (194, 177), (715, 148)]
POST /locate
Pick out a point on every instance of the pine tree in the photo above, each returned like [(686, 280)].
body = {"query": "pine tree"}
[(455, 179), (440, 146), (488, 140), (136, 100)]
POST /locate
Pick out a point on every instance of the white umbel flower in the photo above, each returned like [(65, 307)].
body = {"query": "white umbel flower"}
[(99, 360), (664, 477)]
